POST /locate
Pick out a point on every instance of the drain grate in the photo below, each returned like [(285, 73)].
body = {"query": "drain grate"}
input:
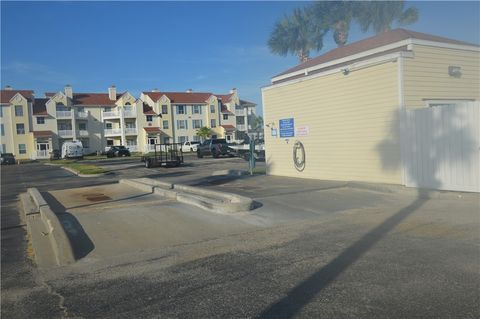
[(96, 197)]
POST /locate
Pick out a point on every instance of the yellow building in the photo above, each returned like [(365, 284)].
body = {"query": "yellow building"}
[(356, 112), (16, 127)]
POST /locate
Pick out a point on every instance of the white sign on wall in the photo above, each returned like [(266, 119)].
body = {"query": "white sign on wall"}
[(301, 131)]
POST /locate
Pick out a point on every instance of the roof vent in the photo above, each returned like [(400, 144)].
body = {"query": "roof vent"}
[(68, 91), (189, 91), (155, 90), (8, 88), (234, 90)]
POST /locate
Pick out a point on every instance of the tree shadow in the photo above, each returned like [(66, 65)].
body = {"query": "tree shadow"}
[(392, 152)]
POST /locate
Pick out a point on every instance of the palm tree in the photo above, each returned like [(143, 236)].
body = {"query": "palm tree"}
[(336, 15), (379, 15), (204, 132), (296, 34)]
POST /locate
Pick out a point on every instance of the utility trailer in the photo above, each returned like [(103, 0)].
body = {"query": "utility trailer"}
[(168, 155)]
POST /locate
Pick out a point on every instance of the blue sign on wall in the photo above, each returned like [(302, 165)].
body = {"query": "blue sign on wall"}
[(287, 127)]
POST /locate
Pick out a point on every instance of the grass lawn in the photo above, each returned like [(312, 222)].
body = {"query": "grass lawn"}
[(85, 168)]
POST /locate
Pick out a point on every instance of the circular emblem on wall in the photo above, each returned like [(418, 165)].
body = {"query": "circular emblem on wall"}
[(299, 156)]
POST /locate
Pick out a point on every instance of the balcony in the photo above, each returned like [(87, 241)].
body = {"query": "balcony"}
[(110, 115), (81, 115), (65, 133), (64, 114), (241, 127), (129, 113), (131, 131), (113, 132), (82, 133), (240, 112)]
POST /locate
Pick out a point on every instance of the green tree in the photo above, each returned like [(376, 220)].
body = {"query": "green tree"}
[(379, 15), (297, 35), (257, 125), (204, 132)]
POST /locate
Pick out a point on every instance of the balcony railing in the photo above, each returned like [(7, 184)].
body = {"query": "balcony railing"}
[(129, 113), (133, 148), (82, 132), (241, 127), (65, 133), (149, 148), (110, 114), (131, 130), (113, 131), (64, 114), (43, 154), (240, 112), (82, 115)]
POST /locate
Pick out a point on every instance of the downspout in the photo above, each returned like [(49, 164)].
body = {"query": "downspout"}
[(402, 116)]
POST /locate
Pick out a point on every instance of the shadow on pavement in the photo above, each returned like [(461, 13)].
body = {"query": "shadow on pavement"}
[(81, 243)]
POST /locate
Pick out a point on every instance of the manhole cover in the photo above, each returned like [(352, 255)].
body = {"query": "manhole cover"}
[(97, 197)]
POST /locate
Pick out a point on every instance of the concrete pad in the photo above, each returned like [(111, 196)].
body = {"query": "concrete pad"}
[(116, 219)]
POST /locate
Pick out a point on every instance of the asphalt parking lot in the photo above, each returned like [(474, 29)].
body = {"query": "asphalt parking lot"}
[(310, 249)]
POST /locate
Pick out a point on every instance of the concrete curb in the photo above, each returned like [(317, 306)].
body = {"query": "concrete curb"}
[(59, 241), (230, 172), (71, 170), (216, 201), (61, 246)]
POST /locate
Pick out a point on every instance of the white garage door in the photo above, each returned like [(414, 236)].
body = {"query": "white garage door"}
[(442, 147)]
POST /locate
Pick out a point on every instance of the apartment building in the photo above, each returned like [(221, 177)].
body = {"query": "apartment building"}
[(15, 122), (180, 114), (33, 127)]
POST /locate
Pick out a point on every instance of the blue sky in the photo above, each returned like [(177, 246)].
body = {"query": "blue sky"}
[(172, 46)]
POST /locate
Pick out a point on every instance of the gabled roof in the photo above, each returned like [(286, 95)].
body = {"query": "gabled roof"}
[(374, 42), (247, 103), (90, 99), (224, 110), (6, 95), (39, 106), (224, 97), (228, 127), (152, 129), (148, 110), (181, 97)]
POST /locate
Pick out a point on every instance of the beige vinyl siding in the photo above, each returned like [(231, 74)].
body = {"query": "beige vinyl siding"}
[(426, 75), (350, 119)]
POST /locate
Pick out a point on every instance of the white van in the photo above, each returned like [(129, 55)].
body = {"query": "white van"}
[(72, 149)]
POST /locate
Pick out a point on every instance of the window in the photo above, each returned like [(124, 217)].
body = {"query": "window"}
[(182, 124), (181, 109), (18, 110), (130, 124), (213, 123), (2, 128), (212, 108), (108, 126), (109, 142), (196, 109), (149, 118), (165, 125), (40, 120), (22, 149), (197, 123), (1, 111), (107, 109), (20, 128), (164, 109), (82, 126), (196, 138), (225, 116), (4, 148), (182, 139), (166, 140)]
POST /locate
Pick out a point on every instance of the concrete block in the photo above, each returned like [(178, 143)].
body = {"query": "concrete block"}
[(141, 186), (59, 241), (165, 193), (37, 197)]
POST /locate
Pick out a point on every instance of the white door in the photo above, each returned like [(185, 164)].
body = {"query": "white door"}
[(42, 150), (442, 147)]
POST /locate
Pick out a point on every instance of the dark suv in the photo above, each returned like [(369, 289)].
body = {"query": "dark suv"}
[(118, 151), (7, 159), (214, 147)]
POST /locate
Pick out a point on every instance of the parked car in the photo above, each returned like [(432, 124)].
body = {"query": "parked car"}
[(7, 159), (190, 146), (117, 151), (213, 147), (72, 149)]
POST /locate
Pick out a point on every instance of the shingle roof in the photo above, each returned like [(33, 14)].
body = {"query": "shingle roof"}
[(244, 102), (90, 99), (224, 97), (6, 95), (42, 133), (181, 97), (39, 106), (148, 110), (152, 129), (376, 41), (228, 127)]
